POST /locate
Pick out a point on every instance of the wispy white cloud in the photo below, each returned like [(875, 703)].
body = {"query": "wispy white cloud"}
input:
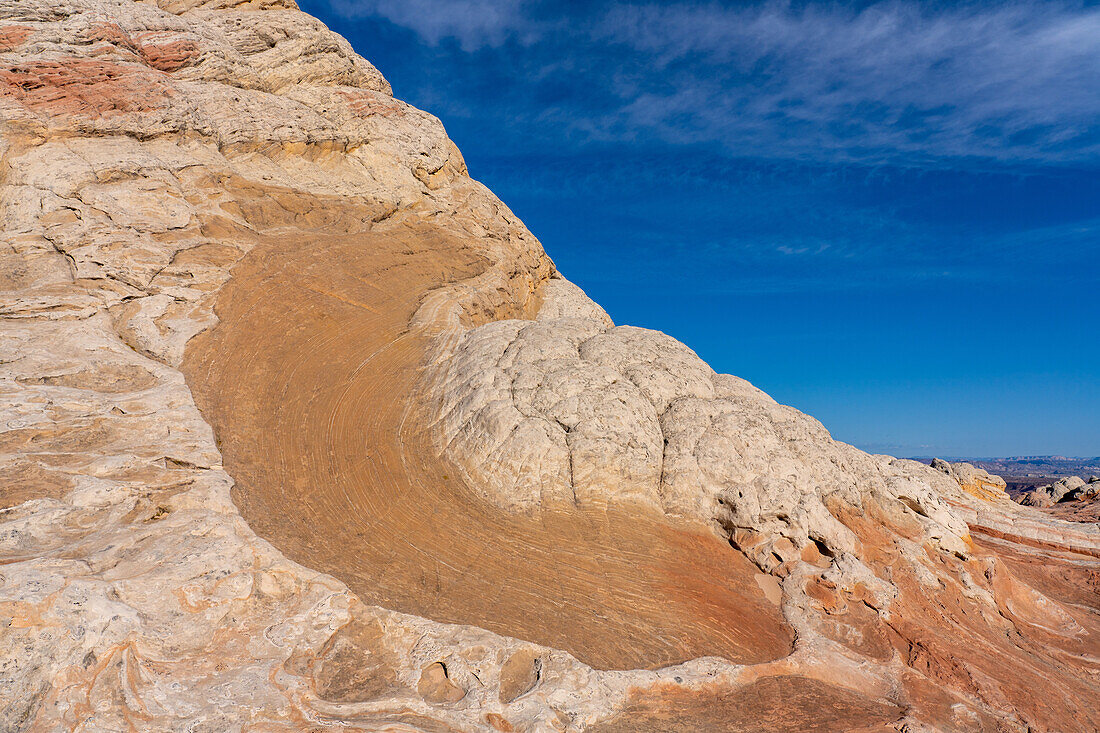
[(893, 79), (1001, 81), (474, 23)]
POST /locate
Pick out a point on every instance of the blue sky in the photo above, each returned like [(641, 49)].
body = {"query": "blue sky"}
[(885, 214)]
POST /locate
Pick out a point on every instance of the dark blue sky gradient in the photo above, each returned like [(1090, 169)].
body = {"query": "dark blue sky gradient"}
[(884, 214)]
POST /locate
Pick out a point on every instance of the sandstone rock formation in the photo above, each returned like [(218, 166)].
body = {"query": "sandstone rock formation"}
[(1051, 494), (1070, 498), (303, 430), (973, 480), (1084, 491)]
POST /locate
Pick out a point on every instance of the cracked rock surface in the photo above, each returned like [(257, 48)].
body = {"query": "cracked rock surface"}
[(302, 430), (570, 408)]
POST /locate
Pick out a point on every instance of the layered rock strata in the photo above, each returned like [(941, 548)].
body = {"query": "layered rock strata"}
[(303, 430)]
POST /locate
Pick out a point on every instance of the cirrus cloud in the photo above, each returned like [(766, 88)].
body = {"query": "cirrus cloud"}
[(887, 81)]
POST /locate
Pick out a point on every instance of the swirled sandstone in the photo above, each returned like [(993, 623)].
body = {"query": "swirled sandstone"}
[(302, 429)]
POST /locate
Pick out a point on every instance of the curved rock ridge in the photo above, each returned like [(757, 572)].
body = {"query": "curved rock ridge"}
[(570, 408), (311, 378), (302, 430)]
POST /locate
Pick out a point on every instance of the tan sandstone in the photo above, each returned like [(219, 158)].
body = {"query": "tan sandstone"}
[(303, 430)]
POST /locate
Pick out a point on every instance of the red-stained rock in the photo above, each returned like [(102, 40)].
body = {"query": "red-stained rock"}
[(13, 36), (84, 87), (113, 34), (366, 103), (168, 56), (781, 703)]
